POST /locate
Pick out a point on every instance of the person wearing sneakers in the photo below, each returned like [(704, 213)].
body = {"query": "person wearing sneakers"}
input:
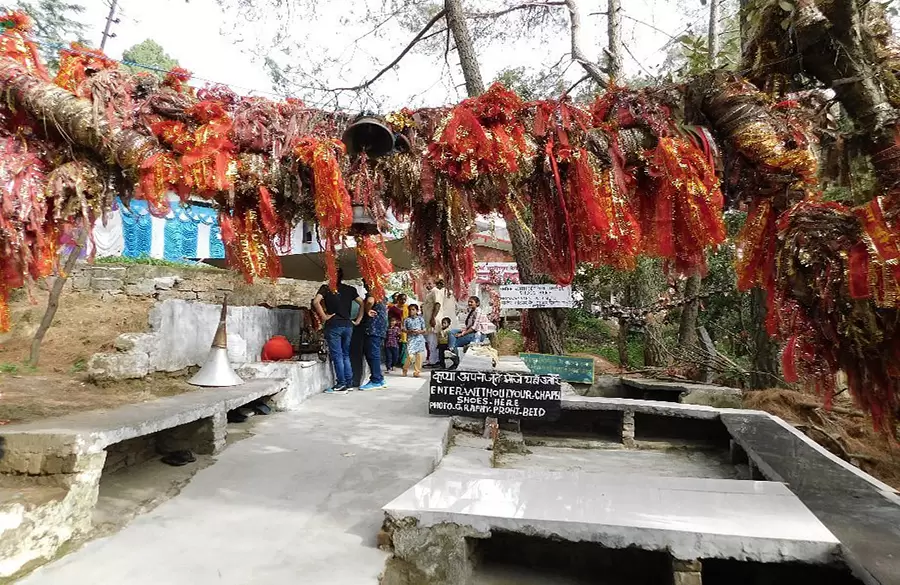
[(376, 330), (414, 327), (338, 328)]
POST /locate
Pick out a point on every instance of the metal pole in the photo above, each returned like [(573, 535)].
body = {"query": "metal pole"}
[(109, 21)]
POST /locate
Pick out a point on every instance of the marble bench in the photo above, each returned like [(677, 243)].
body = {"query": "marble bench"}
[(689, 518)]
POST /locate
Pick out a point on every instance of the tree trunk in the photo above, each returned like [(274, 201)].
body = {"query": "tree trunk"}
[(614, 31), (53, 300), (456, 22), (546, 323), (578, 53), (687, 330), (74, 117), (654, 352), (622, 340), (765, 349), (712, 48)]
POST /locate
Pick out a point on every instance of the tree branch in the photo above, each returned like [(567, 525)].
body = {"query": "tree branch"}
[(638, 21), (574, 85), (525, 6), (578, 54), (399, 57)]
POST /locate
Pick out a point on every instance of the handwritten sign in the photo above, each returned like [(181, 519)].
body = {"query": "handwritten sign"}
[(571, 369), (495, 394), (496, 273), (535, 296)]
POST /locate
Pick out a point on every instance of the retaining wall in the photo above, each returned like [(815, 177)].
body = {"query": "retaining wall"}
[(209, 285)]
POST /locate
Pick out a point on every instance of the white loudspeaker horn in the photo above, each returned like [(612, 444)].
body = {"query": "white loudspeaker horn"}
[(217, 370)]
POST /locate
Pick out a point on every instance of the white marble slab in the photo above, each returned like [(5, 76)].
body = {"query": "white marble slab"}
[(691, 518)]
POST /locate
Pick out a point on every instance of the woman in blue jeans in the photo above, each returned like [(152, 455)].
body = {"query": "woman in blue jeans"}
[(339, 328), (376, 329), (463, 337)]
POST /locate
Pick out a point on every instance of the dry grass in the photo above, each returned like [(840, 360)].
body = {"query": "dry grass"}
[(84, 325), (845, 430), (602, 366)]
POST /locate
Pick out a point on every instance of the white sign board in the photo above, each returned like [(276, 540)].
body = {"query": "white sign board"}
[(535, 296), (496, 273)]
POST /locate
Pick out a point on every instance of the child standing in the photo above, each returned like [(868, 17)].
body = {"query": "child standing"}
[(392, 345), (414, 327), (443, 341)]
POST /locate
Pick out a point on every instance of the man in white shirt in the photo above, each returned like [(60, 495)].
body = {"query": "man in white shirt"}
[(434, 309)]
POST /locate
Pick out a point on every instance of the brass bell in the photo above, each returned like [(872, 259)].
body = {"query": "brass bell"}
[(402, 145), (368, 134), (363, 222), (217, 371)]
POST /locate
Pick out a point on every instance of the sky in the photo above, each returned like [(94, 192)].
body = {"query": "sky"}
[(203, 39)]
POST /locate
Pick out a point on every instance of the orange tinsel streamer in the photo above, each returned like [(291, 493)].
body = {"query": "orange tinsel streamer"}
[(14, 43), (684, 216), (374, 265), (333, 208), (75, 65), (248, 247)]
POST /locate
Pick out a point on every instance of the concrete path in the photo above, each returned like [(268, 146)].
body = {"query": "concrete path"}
[(299, 502)]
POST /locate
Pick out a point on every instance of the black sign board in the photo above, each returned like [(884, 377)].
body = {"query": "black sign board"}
[(495, 394)]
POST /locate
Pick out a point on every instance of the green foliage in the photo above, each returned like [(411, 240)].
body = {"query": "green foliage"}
[(688, 53), (80, 365), (14, 369), (149, 53), (55, 23), (532, 85), (510, 341), (584, 326), (863, 183), (726, 312)]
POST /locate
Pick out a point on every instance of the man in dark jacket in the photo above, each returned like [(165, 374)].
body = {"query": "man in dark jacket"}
[(335, 314)]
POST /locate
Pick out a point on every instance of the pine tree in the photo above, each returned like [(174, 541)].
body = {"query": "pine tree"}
[(56, 24), (151, 54)]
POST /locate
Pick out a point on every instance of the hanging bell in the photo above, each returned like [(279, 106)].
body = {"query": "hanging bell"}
[(363, 222), (370, 135), (217, 371), (402, 144)]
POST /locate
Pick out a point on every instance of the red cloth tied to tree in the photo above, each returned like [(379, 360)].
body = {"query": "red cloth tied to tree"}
[(15, 43), (76, 64), (374, 265), (334, 211), (685, 216), (248, 247)]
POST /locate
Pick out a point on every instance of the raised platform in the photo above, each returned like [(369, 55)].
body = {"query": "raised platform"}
[(862, 512), (687, 517), (93, 431), (683, 392), (70, 454)]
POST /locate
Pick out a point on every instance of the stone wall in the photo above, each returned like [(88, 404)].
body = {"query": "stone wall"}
[(115, 281), (180, 336)]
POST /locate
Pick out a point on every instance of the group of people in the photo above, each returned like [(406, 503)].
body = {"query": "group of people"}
[(395, 334)]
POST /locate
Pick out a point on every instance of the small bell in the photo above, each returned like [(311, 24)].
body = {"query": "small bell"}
[(363, 222), (368, 134), (402, 145)]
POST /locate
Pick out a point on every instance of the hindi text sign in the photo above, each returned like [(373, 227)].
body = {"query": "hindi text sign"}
[(495, 394), (535, 296)]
